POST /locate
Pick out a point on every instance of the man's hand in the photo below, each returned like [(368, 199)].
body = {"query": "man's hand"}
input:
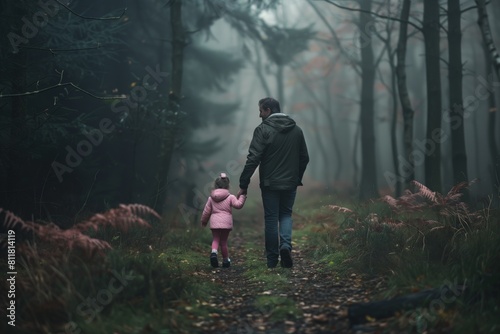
[(241, 192)]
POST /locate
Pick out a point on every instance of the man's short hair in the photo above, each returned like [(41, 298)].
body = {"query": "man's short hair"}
[(271, 103)]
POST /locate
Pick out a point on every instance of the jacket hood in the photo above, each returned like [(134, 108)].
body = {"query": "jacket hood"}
[(219, 195), (281, 122)]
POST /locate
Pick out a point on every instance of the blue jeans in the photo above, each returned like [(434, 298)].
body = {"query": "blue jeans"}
[(278, 206)]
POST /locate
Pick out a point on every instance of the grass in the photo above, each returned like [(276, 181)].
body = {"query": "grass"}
[(153, 281), (435, 247), (270, 286), (256, 271), (278, 308), (170, 285), (165, 278)]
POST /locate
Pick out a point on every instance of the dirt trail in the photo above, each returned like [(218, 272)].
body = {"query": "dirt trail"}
[(321, 298)]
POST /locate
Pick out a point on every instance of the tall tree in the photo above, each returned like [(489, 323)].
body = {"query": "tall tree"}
[(404, 96), (368, 186), (492, 61), (280, 43), (431, 29), (492, 116), (487, 36), (459, 156), (174, 100), (391, 53), (17, 75)]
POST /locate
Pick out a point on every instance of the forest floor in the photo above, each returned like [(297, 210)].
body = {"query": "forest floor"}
[(172, 288), (304, 299)]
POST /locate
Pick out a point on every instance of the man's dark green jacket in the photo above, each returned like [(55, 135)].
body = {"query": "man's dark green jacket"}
[(278, 146)]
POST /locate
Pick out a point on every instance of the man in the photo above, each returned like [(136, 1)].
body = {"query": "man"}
[(278, 146)]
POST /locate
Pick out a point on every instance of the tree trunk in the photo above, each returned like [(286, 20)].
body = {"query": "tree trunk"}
[(487, 36), (394, 122), (326, 109), (492, 60), (16, 194), (394, 104), (492, 144), (432, 145), (335, 142), (361, 312), (355, 167), (260, 75), (280, 84), (368, 186), (459, 156), (404, 97), (322, 149), (171, 123)]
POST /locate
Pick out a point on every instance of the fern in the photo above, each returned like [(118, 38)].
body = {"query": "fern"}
[(426, 192), (340, 209), (11, 220), (121, 218), (445, 206)]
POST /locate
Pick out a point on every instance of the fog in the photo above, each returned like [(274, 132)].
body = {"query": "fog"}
[(335, 87), (162, 144)]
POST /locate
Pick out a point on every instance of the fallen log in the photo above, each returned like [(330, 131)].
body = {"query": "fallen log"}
[(436, 299)]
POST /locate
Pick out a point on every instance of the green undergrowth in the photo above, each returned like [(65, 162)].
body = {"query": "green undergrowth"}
[(316, 232), (257, 272), (270, 286), (156, 284), (416, 243), (278, 308), (168, 287), (158, 279)]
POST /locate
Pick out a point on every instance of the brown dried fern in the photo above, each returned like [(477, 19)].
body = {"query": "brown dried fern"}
[(121, 218), (455, 190), (426, 192), (409, 202), (340, 209), (449, 207)]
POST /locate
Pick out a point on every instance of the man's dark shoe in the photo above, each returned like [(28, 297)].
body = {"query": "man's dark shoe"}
[(213, 260), (272, 264), (286, 258), (226, 263)]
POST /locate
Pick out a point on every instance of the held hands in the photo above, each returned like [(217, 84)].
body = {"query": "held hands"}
[(204, 224), (241, 192)]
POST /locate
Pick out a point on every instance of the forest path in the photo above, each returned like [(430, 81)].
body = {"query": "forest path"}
[(303, 299)]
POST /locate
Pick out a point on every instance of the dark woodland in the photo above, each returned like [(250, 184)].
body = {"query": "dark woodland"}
[(116, 116)]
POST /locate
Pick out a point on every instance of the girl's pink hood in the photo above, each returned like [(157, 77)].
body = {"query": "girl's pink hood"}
[(219, 195)]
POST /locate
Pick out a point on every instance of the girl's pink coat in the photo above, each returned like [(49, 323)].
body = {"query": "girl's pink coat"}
[(219, 209)]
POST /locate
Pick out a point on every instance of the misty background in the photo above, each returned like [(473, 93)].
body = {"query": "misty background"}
[(147, 101)]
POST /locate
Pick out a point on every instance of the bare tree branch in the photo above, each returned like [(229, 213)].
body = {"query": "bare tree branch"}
[(63, 85), (374, 14), (473, 7), (55, 51), (336, 38), (90, 17)]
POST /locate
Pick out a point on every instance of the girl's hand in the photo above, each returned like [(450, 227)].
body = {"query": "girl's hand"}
[(203, 224), (241, 192)]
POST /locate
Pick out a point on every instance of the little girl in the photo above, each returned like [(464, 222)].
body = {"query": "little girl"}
[(219, 210)]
